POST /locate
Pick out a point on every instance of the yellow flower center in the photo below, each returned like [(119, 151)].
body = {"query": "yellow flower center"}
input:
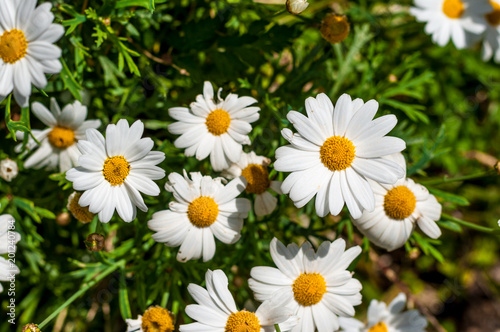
[(493, 18), (379, 327), (157, 319), (399, 202), (218, 122), (309, 288), (242, 321), (115, 170), (257, 177), (453, 8), (335, 28), (13, 46), (81, 213), (337, 153), (203, 211), (61, 137)]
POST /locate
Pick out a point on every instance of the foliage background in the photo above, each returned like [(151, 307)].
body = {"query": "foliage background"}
[(134, 59)]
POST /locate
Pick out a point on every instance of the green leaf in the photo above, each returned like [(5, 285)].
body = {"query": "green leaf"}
[(148, 4), (450, 225), (459, 200), (45, 213), (69, 81), (28, 207), (123, 297)]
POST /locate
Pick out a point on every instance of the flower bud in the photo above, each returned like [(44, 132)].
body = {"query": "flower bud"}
[(296, 7), (8, 169), (95, 242), (335, 28)]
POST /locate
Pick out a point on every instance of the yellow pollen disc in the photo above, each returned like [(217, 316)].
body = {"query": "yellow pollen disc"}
[(61, 137), (337, 153), (453, 8), (379, 327), (157, 319), (399, 203), (13, 46), (218, 122), (257, 177), (309, 288), (242, 321), (335, 28), (81, 213), (493, 18), (115, 170), (203, 211)]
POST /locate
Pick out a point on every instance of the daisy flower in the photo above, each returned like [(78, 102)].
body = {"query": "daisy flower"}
[(216, 310), (8, 241), (334, 153), (214, 127), (80, 213), (155, 318), (382, 318), (254, 169), (452, 19), (316, 285), (58, 142), (491, 42), (113, 170), (27, 53), (397, 208), (203, 208)]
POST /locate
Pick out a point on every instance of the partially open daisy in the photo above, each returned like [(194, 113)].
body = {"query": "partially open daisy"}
[(397, 208), (81, 213), (216, 310), (491, 42), (214, 127), (27, 52), (8, 241), (203, 208), (8, 169), (155, 319), (113, 170), (383, 318), (452, 19), (254, 169), (58, 142), (316, 285), (334, 153)]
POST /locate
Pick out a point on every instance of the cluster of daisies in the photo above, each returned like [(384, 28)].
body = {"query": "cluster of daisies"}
[(339, 155), (307, 291), (465, 22)]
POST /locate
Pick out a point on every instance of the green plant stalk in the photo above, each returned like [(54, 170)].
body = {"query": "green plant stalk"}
[(460, 178), (277, 327), (468, 224), (104, 274), (361, 37)]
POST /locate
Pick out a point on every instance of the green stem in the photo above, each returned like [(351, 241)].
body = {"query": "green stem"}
[(467, 224), (85, 287), (361, 37), (277, 327), (460, 178)]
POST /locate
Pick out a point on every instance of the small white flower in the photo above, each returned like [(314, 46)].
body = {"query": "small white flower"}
[(155, 318), (254, 169), (113, 170), (491, 42), (453, 19), (216, 310), (8, 169), (8, 241), (204, 208), (296, 6), (58, 142), (398, 208), (387, 319), (215, 128), (334, 153), (27, 52), (316, 285)]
